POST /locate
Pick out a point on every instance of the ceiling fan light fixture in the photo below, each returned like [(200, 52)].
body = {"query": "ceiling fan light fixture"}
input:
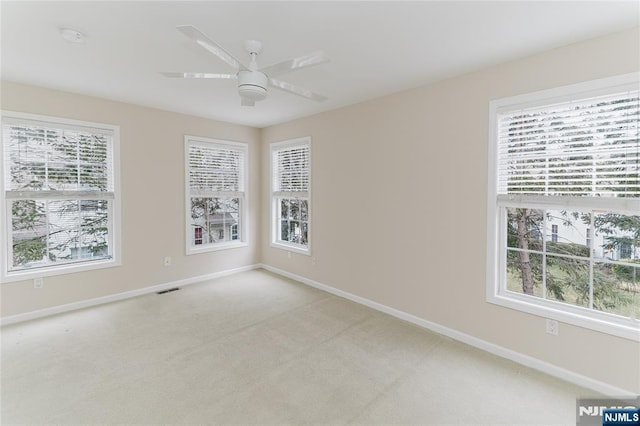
[(252, 85), (252, 81)]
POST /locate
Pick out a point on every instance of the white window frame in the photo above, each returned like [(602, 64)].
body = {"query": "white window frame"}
[(243, 229), (114, 213), (276, 242), (496, 292)]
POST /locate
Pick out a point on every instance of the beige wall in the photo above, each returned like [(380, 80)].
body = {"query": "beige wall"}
[(153, 199), (399, 202)]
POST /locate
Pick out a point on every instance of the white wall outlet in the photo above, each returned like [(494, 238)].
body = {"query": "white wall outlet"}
[(289, 255), (38, 282), (167, 261), (552, 327), (313, 260)]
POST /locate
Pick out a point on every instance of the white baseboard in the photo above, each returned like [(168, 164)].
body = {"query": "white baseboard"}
[(526, 360), (120, 296), (536, 364)]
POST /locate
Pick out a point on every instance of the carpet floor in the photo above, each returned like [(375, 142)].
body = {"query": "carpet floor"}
[(256, 348)]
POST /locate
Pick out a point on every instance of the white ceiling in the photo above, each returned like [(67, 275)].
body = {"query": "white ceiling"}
[(376, 48)]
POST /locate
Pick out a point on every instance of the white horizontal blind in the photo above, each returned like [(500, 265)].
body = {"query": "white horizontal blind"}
[(584, 148), (291, 169), (216, 169), (47, 160)]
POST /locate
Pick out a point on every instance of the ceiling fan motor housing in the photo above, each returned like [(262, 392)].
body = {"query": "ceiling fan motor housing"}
[(252, 85)]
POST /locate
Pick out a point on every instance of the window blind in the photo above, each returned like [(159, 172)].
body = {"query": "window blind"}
[(291, 170), (215, 169), (43, 161), (585, 148)]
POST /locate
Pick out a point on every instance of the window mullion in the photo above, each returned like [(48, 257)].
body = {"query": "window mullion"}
[(9, 233), (79, 228), (48, 230), (78, 163), (591, 258), (544, 255), (46, 168)]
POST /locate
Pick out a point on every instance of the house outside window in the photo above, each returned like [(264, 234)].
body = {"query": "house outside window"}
[(216, 173), (60, 203), (291, 194), (567, 161)]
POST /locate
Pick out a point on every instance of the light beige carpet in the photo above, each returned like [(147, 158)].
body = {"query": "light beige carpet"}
[(254, 348)]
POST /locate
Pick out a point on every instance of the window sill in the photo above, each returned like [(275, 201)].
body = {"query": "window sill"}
[(50, 271), (295, 248), (216, 247), (569, 314)]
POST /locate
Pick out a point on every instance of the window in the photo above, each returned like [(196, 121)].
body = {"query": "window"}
[(197, 235), (626, 250), (567, 162), (60, 200), (554, 233), (290, 194), (216, 194)]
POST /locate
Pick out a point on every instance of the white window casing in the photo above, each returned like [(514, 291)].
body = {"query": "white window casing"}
[(571, 150), (216, 194), (60, 204), (291, 195)]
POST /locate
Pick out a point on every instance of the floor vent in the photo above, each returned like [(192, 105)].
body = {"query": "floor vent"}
[(168, 290)]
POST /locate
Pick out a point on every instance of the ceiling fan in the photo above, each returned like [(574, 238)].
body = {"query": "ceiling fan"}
[(252, 81)]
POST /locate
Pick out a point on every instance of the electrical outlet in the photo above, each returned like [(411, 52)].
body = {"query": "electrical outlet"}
[(167, 261), (552, 327), (313, 260), (289, 255), (38, 282)]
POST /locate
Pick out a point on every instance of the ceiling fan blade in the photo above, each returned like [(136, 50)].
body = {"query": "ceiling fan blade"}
[(199, 37), (197, 75), (296, 90), (304, 61), (247, 102)]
